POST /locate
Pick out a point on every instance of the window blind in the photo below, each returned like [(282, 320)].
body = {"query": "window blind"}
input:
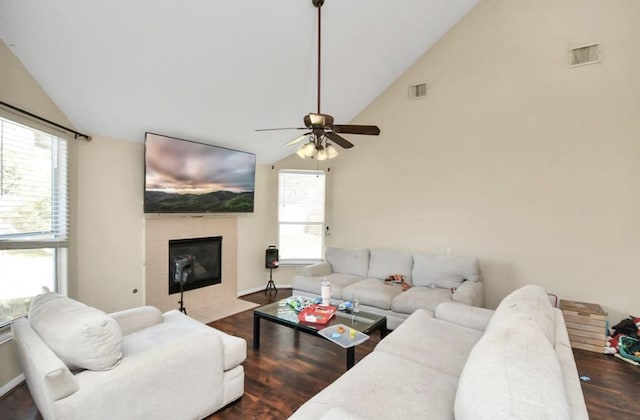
[(301, 215), (34, 205), (34, 217)]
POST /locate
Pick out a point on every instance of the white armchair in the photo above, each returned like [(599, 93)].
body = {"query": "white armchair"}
[(80, 363)]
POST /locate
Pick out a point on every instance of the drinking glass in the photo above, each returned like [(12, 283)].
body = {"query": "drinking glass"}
[(355, 310)]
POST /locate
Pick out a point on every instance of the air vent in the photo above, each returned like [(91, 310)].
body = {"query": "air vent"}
[(586, 54), (418, 91)]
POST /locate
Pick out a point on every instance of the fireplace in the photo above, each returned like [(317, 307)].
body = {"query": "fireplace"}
[(205, 259)]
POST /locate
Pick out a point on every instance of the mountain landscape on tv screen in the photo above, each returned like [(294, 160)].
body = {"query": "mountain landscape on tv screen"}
[(219, 201), (182, 176)]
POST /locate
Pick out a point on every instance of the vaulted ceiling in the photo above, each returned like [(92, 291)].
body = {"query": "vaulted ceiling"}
[(215, 70)]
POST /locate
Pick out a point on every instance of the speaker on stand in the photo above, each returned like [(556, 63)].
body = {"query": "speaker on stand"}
[(271, 261)]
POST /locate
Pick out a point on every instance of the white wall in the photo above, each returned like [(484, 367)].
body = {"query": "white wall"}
[(514, 157), (255, 234), (109, 272)]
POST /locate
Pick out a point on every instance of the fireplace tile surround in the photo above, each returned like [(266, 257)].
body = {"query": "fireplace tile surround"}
[(205, 301)]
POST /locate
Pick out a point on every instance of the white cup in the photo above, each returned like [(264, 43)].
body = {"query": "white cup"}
[(325, 292)]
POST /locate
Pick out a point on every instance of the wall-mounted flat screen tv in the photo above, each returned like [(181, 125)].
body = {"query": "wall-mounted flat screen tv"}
[(183, 176)]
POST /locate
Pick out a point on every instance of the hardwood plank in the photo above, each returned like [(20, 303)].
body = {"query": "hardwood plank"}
[(290, 367), (611, 391)]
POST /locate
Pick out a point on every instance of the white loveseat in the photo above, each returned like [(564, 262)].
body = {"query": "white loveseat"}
[(360, 274), (81, 363), (464, 363)]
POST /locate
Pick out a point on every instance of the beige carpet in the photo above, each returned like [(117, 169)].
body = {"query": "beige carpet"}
[(222, 310)]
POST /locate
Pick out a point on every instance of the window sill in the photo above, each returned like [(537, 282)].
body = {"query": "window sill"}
[(5, 335)]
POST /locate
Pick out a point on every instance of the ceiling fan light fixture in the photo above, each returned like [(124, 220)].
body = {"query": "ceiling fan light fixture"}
[(307, 150), (331, 151), (322, 154)]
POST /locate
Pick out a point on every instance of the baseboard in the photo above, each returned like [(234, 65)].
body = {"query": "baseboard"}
[(261, 289), (11, 384)]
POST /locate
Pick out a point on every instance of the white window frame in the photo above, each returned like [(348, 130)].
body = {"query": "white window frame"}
[(284, 220), (54, 238)]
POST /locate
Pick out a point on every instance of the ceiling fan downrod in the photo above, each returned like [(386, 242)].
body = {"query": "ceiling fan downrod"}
[(318, 4)]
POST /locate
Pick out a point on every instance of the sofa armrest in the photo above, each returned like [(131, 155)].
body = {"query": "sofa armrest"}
[(183, 378), (470, 293), (464, 315), (136, 319), (317, 269), (49, 379)]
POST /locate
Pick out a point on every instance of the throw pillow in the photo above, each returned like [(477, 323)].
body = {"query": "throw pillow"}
[(348, 261), (444, 271), (82, 336), (382, 263)]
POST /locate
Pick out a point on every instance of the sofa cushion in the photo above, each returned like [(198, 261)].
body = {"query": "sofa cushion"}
[(82, 336), (235, 348), (431, 342), (531, 302), (385, 263), (512, 373), (348, 261), (313, 284), (444, 270), (372, 292), (381, 386), (176, 326), (420, 298)]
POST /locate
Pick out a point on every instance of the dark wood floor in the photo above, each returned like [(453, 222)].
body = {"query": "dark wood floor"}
[(290, 367)]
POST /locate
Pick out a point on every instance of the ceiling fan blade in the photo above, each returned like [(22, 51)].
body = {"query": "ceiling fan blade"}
[(283, 128), (317, 120), (298, 139), (369, 130), (340, 141)]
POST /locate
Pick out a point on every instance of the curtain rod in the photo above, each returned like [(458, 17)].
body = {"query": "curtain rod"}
[(76, 134)]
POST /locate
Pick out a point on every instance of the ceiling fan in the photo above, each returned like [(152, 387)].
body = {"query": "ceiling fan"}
[(319, 127)]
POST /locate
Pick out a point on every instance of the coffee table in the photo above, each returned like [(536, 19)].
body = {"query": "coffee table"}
[(281, 313)]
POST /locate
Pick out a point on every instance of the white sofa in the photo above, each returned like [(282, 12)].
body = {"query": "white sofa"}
[(81, 363), (360, 274), (464, 363)]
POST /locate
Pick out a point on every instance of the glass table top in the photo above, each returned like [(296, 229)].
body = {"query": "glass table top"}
[(364, 322)]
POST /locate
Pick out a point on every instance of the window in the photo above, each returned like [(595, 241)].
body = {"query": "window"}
[(300, 216), (33, 216)]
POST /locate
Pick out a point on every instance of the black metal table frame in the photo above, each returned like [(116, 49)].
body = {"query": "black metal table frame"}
[(351, 351)]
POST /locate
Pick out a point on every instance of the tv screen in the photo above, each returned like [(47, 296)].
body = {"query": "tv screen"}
[(183, 176)]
